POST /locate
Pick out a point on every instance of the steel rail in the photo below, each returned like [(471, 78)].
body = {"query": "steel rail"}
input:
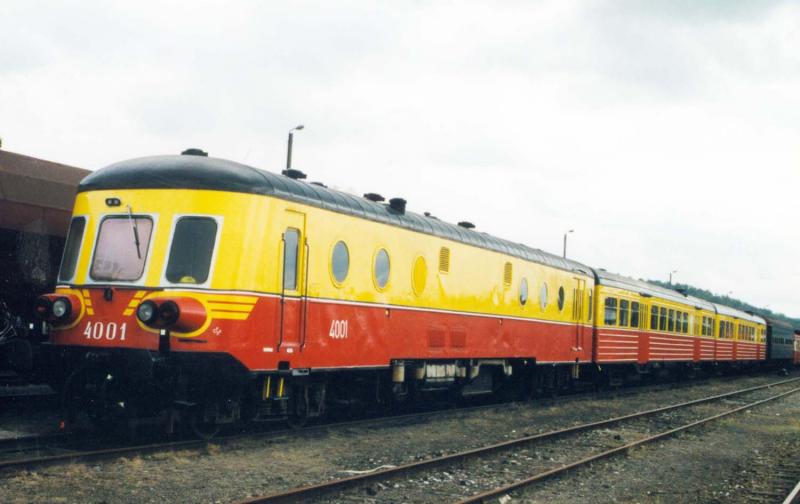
[(794, 495), (199, 443), (304, 493), (621, 449)]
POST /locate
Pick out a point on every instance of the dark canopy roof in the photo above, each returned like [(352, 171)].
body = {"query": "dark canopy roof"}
[(199, 172)]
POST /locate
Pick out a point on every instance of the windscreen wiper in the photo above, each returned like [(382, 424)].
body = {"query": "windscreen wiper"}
[(135, 232)]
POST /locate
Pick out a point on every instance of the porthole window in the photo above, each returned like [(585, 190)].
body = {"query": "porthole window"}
[(561, 298), (381, 269), (543, 296), (523, 291), (419, 275), (340, 261)]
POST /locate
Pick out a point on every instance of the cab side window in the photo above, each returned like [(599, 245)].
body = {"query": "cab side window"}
[(291, 238)]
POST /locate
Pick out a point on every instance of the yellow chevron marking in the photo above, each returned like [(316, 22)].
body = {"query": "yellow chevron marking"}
[(88, 302), (139, 294), (230, 315), (89, 310), (232, 298), (230, 307), (128, 312), (85, 293)]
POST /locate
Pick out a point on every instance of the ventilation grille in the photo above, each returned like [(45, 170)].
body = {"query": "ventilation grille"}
[(444, 260), (508, 273)]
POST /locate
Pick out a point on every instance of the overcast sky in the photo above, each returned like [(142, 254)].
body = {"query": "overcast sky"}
[(665, 133)]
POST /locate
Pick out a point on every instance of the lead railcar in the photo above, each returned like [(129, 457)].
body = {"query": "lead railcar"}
[(221, 292)]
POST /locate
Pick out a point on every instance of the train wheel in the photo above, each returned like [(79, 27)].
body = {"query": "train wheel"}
[(202, 428)]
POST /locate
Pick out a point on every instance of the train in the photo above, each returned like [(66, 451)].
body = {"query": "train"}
[(208, 292)]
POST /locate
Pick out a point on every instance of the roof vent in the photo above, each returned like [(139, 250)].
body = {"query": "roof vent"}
[(318, 184), (398, 205), (374, 197), (467, 225), (682, 291), (428, 215), (194, 152), (294, 174)]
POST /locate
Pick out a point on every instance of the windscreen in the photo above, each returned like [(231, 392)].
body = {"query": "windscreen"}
[(121, 248), (192, 250)]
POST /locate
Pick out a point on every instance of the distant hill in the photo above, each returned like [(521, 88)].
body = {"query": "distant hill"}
[(729, 301)]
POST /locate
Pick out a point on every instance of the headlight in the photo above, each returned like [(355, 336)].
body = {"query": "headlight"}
[(169, 312), (61, 308), (146, 312)]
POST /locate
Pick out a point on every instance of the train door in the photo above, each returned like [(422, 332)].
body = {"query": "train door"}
[(577, 312), (294, 249)]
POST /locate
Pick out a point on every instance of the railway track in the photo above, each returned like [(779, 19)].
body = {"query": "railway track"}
[(26, 452), (512, 460), (35, 451)]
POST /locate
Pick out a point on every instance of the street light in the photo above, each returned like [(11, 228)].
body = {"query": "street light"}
[(670, 275), (289, 147), (565, 241)]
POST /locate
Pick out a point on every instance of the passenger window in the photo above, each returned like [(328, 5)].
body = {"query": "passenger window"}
[(340, 261), (611, 311), (69, 261), (634, 314), (381, 269), (523, 291), (561, 298), (419, 275), (671, 326), (662, 319), (121, 249), (654, 317), (191, 251), (591, 306), (543, 296), (291, 239), (685, 323), (623, 312)]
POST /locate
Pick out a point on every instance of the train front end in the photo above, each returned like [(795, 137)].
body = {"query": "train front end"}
[(155, 306)]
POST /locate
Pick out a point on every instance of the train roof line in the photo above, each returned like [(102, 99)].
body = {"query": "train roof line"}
[(615, 280), (200, 172)]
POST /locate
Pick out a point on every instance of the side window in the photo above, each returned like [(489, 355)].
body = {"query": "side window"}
[(543, 296), (685, 323), (69, 261), (340, 262), (662, 319), (654, 317), (561, 298), (523, 291), (381, 269), (591, 306), (419, 275), (623, 312), (671, 326), (191, 251), (610, 311), (634, 314), (291, 239)]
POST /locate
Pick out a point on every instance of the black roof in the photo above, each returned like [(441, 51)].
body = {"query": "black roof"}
[(199, 172)]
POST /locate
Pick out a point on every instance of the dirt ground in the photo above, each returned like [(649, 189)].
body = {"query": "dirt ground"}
[(713, 464)]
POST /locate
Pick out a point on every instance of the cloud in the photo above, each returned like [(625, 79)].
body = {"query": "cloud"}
[(665, 133)]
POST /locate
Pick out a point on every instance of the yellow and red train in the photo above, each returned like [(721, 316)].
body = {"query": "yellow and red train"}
[(227, 293)]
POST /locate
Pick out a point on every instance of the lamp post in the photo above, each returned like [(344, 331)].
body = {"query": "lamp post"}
[(289, 147), (670, 275), (565, 241)]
